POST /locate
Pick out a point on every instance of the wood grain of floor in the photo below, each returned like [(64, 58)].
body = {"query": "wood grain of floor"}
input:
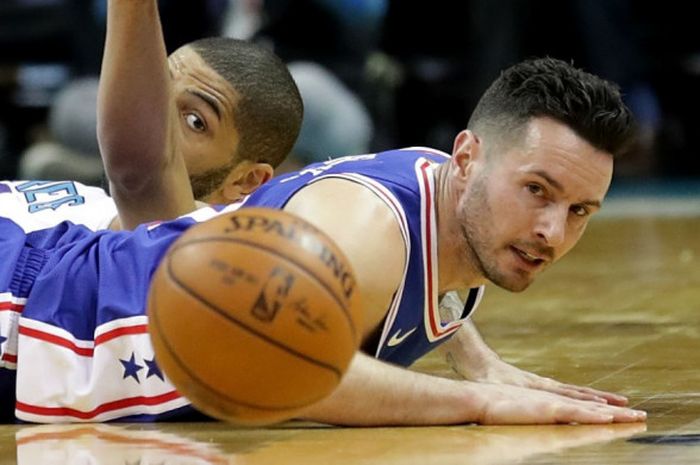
[(621, 313)]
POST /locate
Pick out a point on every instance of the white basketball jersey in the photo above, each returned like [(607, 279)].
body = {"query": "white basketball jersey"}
[(36, 205)]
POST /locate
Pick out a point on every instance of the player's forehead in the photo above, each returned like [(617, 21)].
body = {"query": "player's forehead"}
[(185, 60), (188, 71), (568, 162)]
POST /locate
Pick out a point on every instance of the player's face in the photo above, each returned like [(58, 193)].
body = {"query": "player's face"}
[(526, 208), (205, 127)]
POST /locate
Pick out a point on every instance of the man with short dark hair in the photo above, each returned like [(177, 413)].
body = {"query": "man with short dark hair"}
[(416, 224), (515, 196), (209, 123)]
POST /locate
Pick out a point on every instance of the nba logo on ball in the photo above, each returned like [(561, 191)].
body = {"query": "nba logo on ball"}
[(254, 315), (273, 294)]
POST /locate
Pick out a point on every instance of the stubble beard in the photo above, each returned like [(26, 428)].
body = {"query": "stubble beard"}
[(205, 184), (477, 222)]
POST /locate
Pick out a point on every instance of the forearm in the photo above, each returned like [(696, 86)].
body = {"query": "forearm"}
[(467, 352), (375, 393), (469, 355), (147, 175), (133, 98)]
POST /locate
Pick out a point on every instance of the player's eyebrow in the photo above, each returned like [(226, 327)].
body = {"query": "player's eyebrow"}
[(591, 203), (550, 180), (208, 99), (557, 185)]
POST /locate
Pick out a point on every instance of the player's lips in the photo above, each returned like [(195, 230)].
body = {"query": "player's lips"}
[(530, 258)]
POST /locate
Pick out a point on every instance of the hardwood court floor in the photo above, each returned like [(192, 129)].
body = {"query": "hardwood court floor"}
[(621, 313)]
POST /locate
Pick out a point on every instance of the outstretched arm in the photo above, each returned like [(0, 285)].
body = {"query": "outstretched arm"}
[(147, 175), (471, 358), (374, 393)]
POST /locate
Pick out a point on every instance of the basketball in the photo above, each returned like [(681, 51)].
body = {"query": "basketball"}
[(254, 315)]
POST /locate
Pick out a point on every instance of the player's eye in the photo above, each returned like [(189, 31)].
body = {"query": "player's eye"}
[(579, 210), (195, 122), (535, 189)]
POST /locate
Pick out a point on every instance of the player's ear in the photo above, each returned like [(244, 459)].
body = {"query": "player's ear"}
[(245, 178), (465, 151)]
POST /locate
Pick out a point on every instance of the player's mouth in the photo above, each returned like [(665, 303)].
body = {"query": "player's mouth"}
[(527, 259)]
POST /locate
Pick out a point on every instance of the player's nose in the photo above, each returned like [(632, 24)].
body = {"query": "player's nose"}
[(551, 225)]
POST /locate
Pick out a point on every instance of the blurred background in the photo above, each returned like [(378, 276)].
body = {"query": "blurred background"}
[(374, 74)]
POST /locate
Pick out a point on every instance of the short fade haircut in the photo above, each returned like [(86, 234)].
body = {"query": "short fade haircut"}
[(547, 87), (269, 111)]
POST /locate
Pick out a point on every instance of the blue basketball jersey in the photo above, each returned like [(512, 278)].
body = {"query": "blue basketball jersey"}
[(404, 180), (74, 344)]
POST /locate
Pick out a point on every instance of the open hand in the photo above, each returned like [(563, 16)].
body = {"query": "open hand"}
[(499, 372), (503, 404)]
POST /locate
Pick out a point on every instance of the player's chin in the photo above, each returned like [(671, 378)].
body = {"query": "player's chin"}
[(516, 287), (513, 281)]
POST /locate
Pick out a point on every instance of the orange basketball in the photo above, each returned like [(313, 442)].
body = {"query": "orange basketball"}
[(254, 315)]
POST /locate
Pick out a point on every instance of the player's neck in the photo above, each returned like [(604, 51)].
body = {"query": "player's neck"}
[(456, 265)]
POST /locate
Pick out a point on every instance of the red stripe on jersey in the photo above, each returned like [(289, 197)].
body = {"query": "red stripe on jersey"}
[(437, 331), (57, 340), (106, 407), (12, 358), (84, 351), (429, 246), (11, 307), (117, 332)]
